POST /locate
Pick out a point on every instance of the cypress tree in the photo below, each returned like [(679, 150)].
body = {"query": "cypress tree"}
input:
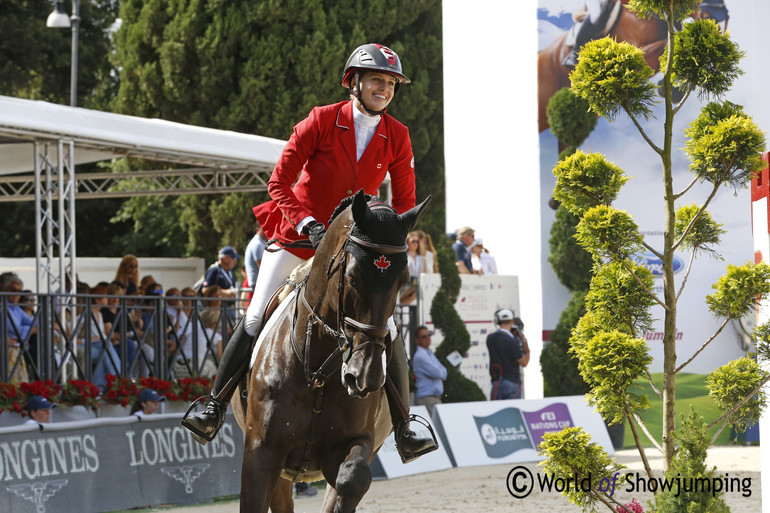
[(259, 67)]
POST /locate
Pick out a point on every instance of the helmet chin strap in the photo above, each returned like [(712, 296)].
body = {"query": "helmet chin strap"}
[(356, 92)]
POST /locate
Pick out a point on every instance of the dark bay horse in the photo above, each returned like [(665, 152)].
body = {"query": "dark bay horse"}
[(315, 406)]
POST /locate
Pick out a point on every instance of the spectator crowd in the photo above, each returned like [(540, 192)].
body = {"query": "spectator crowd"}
[(113, 327)]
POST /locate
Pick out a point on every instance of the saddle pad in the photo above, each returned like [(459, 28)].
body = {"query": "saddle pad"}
[(270, 324), (296, 277)]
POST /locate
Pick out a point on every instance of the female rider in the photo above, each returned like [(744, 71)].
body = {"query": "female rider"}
[(337, 150)]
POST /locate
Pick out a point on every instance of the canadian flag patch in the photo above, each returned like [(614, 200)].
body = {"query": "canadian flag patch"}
[(382, 263)]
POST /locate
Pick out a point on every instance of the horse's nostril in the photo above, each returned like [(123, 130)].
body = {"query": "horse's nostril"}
[(350, 381)]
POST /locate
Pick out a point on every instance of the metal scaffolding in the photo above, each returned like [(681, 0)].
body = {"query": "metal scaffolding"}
[(55, 216), (192, 160), (199, 180)]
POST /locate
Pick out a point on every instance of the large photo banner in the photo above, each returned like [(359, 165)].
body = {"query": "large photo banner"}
[(562, 23)]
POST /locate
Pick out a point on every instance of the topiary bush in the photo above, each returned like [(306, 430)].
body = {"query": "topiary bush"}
[(560, 370), (569, 117), (457, 388)]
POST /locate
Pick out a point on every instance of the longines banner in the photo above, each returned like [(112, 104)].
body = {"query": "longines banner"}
[(116, 466), (493, 432)]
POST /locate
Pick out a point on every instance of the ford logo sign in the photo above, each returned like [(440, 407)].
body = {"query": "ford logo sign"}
[(655, 264)]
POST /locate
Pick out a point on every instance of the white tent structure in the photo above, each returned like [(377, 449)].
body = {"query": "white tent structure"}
[(42, 143)]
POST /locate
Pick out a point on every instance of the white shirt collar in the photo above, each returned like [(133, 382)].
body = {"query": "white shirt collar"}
[(362, 120)]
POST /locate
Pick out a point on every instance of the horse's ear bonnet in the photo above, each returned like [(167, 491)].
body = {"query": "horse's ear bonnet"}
[(377, 222)]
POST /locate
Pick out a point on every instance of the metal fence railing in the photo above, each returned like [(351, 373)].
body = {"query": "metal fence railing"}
[(66, 337)]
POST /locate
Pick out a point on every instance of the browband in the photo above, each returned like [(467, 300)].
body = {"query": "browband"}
[(385, 249)]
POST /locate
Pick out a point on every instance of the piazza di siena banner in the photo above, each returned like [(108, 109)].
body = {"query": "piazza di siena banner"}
[(642, 196)]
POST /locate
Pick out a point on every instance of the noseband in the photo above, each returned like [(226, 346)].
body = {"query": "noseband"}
[(376, 333)]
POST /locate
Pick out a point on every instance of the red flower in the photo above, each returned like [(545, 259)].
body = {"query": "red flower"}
[(79, 392)]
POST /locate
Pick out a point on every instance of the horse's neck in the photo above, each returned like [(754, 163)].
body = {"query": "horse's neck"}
[(319, 296), (638, 31)]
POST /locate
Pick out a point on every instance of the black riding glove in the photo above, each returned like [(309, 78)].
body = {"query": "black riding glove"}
[(315, 232)]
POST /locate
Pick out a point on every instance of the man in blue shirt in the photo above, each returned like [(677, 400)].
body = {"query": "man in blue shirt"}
[(462, 246), (221, 273), (429, 372), (252, 257), (19, 324)]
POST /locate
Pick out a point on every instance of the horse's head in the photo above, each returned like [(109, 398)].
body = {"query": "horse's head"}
[(366, 267)]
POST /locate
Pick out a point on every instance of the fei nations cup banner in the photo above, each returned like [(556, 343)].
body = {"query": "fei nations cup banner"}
[(494, 432), (642, 196)]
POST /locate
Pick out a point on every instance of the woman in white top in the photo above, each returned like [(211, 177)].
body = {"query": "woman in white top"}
[(419, 259), (483, 262), (104, 356)]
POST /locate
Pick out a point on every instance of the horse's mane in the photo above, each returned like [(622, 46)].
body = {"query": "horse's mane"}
[(345, 203)]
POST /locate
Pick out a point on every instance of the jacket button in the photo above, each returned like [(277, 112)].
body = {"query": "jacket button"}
[(349, 192)]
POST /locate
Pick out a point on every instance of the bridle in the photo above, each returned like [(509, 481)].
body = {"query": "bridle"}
[(376, 333)]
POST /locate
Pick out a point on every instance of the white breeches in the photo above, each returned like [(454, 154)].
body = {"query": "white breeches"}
[(273, 271)]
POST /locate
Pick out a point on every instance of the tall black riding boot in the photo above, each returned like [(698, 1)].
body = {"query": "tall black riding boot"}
[(408, 444), (205, 425)]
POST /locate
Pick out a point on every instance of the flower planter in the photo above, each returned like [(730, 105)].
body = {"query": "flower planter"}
[(107, 410), (616, 432), (71, 413), (10, 419), (176, 407)]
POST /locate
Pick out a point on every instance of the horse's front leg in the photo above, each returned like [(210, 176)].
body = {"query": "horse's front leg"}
[(260, 473), (282, 501), (353, 477), (330, 499)]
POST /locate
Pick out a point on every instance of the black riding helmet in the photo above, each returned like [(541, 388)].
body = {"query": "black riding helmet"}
[(373, 57)]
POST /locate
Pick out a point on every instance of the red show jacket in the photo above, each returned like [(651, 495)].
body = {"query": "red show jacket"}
[(322, 153)]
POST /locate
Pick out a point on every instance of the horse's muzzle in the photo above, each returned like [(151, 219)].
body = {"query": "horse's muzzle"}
[(364, 377)]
